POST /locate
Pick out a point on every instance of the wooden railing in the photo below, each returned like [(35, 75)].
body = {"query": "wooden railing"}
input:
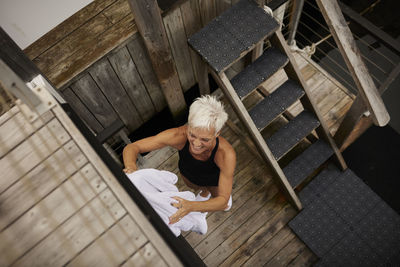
[(369, 96)]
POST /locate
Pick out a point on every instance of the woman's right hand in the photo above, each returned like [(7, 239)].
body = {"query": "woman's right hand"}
[(129, 169)]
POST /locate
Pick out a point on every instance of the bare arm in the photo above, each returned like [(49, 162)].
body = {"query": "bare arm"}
[(172, 137), (226, 161)]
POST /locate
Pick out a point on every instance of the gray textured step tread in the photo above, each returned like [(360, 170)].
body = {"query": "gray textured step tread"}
[(275, 104), (307, 162), (292, 133), (259, 71), (226, 38)]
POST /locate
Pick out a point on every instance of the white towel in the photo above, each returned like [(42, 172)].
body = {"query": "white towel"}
[(158, 187)]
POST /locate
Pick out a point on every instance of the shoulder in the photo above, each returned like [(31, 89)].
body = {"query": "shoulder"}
[(174, 137), (225, 153)]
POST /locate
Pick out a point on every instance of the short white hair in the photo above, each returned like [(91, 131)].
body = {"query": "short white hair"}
[(207, 112)]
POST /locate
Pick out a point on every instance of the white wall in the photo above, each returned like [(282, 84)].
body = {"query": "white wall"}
[(27, 20)]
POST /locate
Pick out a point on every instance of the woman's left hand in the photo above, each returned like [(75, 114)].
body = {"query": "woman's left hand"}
[(183, 207)]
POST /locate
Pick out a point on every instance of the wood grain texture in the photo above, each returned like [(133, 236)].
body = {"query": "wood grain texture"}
[(175, 30), (75, 233), (352, 56), (146, 256), (207, 10), (66, 27), (39, 182), (192, 21), (142, 61), (126, 71), (17, 129), (108, 82), (82, 110), (114, 247), (150, 25), (31, 152), (117, 11), (93, 98), (47, 215)]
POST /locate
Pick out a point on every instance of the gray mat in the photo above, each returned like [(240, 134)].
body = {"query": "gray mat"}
[(346, 224)]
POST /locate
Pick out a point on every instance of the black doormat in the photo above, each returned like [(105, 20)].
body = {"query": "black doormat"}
[(375, 158)]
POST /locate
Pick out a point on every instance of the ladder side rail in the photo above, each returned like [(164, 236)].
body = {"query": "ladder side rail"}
[(224, 83), (294, 73)]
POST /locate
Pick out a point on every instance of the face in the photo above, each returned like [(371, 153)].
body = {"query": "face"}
[(201, 140)]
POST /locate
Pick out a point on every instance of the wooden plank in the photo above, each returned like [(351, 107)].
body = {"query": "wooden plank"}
[(305, 258), (93, 98), (155, 158), (207, 11), (248, 232), (76, 233), (352, 56), (192, 22), (114, 247), (239, 217), (86, 55), (119, 191), (248, 182), (31, 152), (150, 25), (247, 240), (108, 82), (67, 47), (146, 256), (270, 248), (117, 11), (9, 114), (39, 182), (80, 108), (47, 215), (66, 27), (17, 129), (286, 255), (141, 59), (127, 73), (175, 30)]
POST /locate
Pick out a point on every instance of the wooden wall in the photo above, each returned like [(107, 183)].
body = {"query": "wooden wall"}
[(98, 61), (60, 205)]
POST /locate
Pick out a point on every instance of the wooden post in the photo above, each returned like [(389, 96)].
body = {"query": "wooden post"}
[(150, 25), (357, 109), (294, 19), (344, 39)]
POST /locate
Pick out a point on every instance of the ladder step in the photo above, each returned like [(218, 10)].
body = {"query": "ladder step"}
[(225, 39), (275, 104), (307, 162), (292, 133), (255, 74)]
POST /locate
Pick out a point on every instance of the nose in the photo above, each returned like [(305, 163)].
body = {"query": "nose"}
[(196, 142)]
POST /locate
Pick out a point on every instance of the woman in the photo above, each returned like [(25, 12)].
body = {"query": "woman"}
[(206, 160)]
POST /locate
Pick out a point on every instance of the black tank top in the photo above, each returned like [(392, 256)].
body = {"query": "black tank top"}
[(202, 173)]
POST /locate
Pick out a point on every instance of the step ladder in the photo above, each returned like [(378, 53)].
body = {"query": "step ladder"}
[(230, 37)]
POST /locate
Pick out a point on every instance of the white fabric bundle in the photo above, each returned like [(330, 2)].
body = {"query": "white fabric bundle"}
[(158, 187)]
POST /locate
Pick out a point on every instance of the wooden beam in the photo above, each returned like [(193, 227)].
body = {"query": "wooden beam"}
[(295, 14), (355, 114), (331, 11), (150, 25)]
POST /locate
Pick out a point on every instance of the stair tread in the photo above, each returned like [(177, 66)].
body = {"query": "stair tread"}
[(275, 104), (292, 133), (235, 31), (307, 162), (259, 71)]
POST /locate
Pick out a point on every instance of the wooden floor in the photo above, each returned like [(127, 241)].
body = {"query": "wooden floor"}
[(255, 232)]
